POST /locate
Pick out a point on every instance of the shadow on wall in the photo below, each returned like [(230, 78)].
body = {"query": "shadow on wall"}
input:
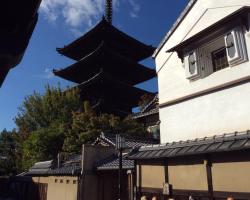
[(22, 188)]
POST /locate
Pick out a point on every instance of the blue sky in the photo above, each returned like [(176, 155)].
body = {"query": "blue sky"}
[(62, 21)]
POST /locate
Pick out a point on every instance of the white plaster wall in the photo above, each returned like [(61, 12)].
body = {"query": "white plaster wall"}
[(217, 113), (214, 114)]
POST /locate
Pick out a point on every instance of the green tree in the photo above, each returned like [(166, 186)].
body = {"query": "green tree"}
[(87, 126), (40, 111), (59, 121), (42, 122), (7, 152), (43, 144)]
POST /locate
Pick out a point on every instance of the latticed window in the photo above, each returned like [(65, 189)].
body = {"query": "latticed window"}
[(219, 58)]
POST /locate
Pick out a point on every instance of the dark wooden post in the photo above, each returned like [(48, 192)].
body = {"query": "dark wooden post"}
[(120, 143), (208, 164), (120, 174)]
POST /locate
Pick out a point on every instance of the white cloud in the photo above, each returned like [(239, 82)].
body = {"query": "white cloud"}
[(135, 8), (78, 13), (74, 12), (48, 74)]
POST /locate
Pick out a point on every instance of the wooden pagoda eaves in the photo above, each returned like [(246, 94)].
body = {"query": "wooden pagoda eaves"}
[(116, 39), (103, 57), (104, 85), (17, 21)]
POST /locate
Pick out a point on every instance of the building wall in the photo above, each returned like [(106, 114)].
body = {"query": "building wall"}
[(207, 115), (59, 187), (91, 180), (152, 176), (226, 173), (188, 176), (231, 173)]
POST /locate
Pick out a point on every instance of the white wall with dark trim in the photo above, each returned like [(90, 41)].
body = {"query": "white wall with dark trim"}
[(219, 112)]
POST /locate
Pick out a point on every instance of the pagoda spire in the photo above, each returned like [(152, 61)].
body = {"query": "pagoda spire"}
[(109, 11)]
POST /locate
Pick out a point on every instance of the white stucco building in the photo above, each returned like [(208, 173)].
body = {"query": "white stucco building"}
[(204, 103), (204, 71)]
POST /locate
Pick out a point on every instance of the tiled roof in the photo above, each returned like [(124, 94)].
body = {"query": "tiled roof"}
[(144, 114), (112, 163), (73, 159), (151, 108), (222, 143), (41, 167), (129, 142), (66, 170), (70, 167), (155, 100)]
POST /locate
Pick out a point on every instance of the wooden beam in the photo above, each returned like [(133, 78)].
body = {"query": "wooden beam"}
[(208, 164)]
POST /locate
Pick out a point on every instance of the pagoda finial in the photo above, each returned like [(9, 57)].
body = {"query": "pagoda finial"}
[(109, 11)]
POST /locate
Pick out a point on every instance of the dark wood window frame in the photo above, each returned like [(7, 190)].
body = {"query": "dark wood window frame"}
[(219, 59)]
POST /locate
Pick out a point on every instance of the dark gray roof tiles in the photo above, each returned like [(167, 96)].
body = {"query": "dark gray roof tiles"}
[(71, 166), (144, 114), (73, 159), (42, 165), (72, 170), (112, 163), (64, 170), (151, 108), (129, 142), (222, 143)]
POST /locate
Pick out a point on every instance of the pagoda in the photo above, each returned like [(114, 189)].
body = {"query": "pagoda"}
[(107, 67)]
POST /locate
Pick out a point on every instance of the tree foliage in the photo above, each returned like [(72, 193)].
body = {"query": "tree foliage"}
[(40, 111), (8, 146), (59, 121), (42, 121)]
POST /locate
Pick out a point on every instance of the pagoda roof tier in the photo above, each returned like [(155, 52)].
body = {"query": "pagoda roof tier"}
[(116, 93), (103, 57), (117, 40), (104, 107)]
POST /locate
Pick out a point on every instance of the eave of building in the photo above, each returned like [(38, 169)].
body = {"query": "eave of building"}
[(104, 58), (145, 114), (238, 141), (112, 163), (104, 84), (16, 32), (110, 139), (175, 26), (108, 107), (239, 17), (150, 109), (70, 167), (103, 31)]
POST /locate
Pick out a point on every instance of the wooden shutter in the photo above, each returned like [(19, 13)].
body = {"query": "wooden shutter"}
[(234, 46), (191, 65)]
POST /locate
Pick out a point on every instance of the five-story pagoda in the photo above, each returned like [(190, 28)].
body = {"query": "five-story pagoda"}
[(107, 67)]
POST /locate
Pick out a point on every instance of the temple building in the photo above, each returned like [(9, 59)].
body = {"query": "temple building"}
[(149, 117), (17, 20), (107, 68)]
